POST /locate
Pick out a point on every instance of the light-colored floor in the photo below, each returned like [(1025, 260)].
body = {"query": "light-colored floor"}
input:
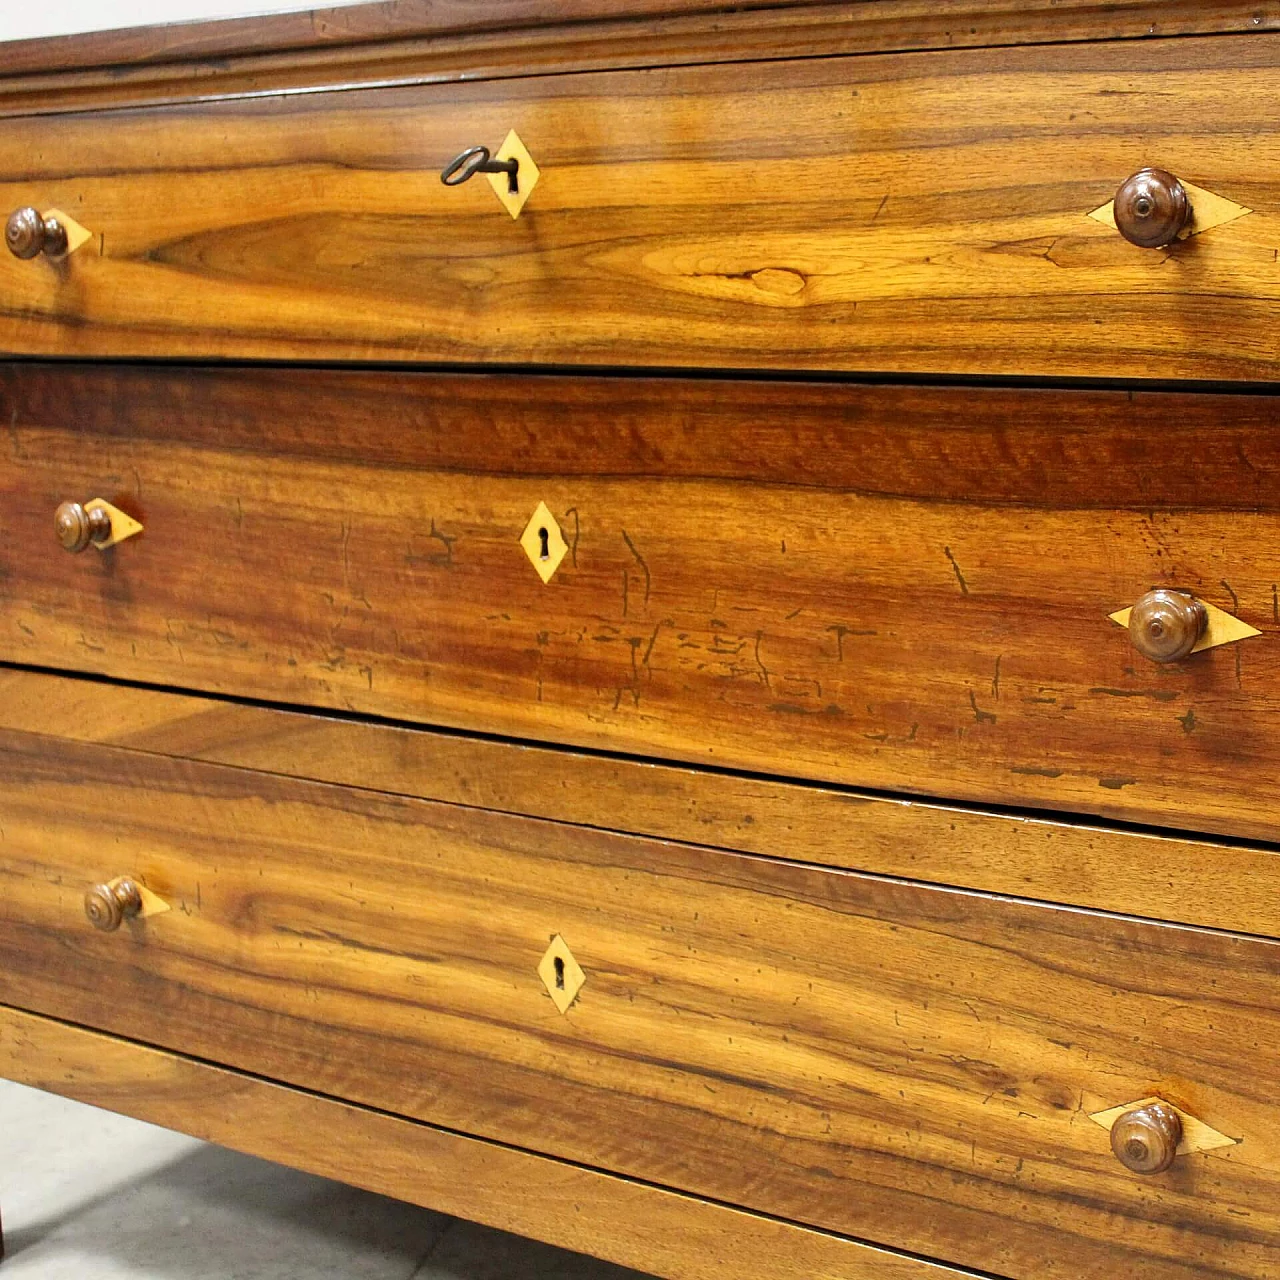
[(87, 1195)]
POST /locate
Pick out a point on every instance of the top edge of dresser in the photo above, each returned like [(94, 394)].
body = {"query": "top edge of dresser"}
[(380, 43)]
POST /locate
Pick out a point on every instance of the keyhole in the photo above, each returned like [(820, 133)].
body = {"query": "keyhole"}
[(545, 538), (559, 974)]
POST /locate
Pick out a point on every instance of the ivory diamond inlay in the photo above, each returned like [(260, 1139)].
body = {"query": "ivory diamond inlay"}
[(1223, 628), (76, 234), (526, 176), (561, 974), (1196, 1135), (122, 526), (1208, 210), (543, 542)]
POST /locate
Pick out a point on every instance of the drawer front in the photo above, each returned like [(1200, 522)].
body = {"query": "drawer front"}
[(869, 586), (921, 212), (909, 1065)]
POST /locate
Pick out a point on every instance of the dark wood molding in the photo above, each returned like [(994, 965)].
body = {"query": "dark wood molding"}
[(340, 25), (425, 41)]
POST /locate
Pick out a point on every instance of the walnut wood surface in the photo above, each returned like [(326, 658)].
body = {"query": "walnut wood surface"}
[(1221, 886), (910, 1065), (648, 1228), (417, 43), (872, 587), (922, 212)]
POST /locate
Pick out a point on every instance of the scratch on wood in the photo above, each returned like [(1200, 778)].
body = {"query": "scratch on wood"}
[(445, 539), (964, 586), (1235, 599), (841, 632), (764, 671), (648, 653), (982, 717), (1160, 695), (995, 680), (648, 577), (577, 530)]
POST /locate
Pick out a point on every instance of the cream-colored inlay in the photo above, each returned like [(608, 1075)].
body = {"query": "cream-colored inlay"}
[(1222, 628), (1196, 1135), (1208, 210), (526, 177), (561, 974)]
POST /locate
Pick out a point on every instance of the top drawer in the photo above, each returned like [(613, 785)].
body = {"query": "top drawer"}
[(912, 213)]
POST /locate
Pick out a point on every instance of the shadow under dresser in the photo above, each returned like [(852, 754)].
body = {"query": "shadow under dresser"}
[(664, 633)]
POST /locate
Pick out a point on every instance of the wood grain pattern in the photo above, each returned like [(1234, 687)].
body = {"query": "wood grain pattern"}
[(407, 44), (1221, 886), (908, 1065), (746, 586), (654, 1230), (675, 224)]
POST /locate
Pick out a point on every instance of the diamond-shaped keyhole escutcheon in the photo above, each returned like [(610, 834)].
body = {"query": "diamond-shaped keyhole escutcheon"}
[(543, 542), (561, 974)]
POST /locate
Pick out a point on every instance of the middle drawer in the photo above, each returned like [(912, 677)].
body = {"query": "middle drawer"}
[(913, 1065), (898, 588)]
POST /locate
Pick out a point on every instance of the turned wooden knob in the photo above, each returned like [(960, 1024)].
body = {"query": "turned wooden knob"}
[(77, 528), (1166, 625), (29, 233), (1146, 1140), (1151, 208), (107, 906)]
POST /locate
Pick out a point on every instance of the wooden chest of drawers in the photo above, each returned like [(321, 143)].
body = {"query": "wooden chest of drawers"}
[(691, 679)]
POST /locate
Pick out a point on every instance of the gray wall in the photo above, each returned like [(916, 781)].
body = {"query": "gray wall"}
[(20, 19)]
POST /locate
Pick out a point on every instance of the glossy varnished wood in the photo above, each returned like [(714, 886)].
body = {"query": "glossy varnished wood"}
[(1198, 882), (899, 1063), (658, 1231), (383, 44), (921, 212), (874, 587)]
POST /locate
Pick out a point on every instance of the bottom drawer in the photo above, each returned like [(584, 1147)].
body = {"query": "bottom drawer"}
[(911, 1065)]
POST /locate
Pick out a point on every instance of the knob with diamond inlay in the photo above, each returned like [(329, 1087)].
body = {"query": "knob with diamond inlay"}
[(1165, 625), (1152, 208)]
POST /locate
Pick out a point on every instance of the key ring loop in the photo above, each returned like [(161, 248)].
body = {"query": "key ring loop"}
[(465, 166)]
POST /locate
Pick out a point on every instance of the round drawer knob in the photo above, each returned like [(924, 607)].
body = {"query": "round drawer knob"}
[(1146, 1140), (28, 233), (1151, 208), (1166, 625), (107, 906), (77, 528)]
